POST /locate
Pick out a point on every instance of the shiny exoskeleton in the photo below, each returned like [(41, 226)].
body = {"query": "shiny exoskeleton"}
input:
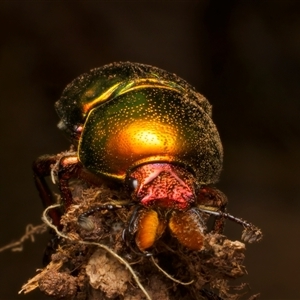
[(151, 131)]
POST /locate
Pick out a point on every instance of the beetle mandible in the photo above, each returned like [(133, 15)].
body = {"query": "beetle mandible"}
[(153, 132)]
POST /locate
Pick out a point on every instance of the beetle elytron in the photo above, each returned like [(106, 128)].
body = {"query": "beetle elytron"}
[(151, 131)]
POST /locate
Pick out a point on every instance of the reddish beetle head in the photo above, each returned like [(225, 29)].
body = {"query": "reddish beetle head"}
[(163, 185)]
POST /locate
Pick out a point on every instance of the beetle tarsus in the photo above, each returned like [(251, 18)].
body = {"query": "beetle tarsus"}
[(252, 234)]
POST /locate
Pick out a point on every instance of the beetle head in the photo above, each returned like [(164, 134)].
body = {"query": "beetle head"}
[(162, 185)]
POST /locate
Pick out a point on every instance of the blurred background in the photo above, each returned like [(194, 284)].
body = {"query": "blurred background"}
[(243, 56)]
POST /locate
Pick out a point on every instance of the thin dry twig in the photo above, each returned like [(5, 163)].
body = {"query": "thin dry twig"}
[(30, 233)]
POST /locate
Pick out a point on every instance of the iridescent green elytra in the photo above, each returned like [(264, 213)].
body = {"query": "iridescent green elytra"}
[(127, 114)]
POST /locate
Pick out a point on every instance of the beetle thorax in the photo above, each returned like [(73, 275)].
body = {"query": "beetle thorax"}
[(163, 185)]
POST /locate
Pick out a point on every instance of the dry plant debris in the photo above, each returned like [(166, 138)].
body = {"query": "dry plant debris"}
[(95, 262)]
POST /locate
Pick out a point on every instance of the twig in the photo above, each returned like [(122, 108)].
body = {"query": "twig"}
[(30, 232)]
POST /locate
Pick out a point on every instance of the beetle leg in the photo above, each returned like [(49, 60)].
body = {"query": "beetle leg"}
[(212, 199), (213, 202), (128, 232), (250, 234), (69, 167), (41, 169), (106, 206), (86, 223)]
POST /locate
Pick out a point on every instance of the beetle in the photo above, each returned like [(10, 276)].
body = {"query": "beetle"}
[(153, 132)]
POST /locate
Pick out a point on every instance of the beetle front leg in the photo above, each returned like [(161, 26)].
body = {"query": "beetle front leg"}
[(212, 199), (213, 202), (250, 234)]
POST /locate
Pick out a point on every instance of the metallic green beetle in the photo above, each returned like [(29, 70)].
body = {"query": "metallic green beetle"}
[(143, 126), (130, 114)]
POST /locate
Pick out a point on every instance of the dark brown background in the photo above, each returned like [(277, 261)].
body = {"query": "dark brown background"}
[(244, 56)]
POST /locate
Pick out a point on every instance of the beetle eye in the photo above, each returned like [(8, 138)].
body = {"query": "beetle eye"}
[(132, 183)]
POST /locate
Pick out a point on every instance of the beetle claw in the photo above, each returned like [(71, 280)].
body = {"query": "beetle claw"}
[(252, 234)]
